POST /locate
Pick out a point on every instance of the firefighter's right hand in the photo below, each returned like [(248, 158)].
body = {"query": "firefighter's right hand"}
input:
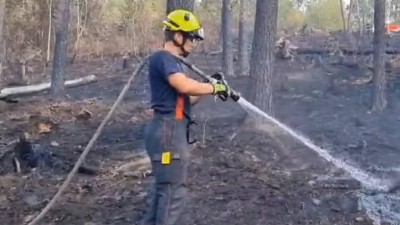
[(221, 90)]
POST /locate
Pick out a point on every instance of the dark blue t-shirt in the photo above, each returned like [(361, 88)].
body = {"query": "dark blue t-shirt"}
[(163, 96)]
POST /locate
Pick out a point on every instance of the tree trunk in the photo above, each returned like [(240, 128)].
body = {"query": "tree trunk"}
[(60, 48), (220, 39), (363, 23), (350, 16), (343, 15), (2, 35), (379, 100), (49, 6), (243, 40), (262, 57), (44, 25), (179, 4), (227, 51)]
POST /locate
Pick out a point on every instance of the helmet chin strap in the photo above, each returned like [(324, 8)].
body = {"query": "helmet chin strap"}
[(181, 46)]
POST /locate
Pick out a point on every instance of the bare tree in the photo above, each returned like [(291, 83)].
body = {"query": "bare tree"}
[(180, 4), (227, 51), (60, 48), (342, 10), (262, 57), (379, 100), (2, 35), (49, 5), (350, 16), (243, 40)]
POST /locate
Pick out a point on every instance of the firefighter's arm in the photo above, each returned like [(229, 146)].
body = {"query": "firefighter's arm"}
[(189, 86)]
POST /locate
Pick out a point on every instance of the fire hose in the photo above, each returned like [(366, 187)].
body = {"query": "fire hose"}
[(215, 78)]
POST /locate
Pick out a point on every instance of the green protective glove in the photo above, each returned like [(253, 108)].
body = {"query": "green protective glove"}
[(220, 89)]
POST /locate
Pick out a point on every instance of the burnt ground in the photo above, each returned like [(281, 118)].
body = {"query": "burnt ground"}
[(239, 175)]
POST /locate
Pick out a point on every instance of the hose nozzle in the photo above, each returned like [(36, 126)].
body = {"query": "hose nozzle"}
[(234, 95)]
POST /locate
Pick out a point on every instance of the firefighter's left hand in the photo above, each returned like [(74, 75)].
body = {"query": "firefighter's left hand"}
[(216, 76)]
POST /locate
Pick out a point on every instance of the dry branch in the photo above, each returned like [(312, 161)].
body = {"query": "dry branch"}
[(45, 86)]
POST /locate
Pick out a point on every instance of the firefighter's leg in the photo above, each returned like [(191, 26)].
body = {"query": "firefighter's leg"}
[(152, 143), (149, 217), (170, 171), (168, 150), (171, 203)]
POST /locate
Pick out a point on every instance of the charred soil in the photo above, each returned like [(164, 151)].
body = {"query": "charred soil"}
[(239, 175)]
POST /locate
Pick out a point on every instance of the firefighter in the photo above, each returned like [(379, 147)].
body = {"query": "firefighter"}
[(172, 95)]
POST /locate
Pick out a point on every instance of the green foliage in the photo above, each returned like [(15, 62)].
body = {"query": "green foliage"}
[(208, 9), (289, 16), (293, 14), (325, 14), (126, 10)]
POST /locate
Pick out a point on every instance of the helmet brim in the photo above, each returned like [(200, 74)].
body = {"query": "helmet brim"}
[(199, 34)]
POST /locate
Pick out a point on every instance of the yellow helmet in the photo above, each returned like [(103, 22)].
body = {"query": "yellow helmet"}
[(185, 21)]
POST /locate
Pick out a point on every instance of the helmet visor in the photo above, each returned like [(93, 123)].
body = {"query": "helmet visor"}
[(199, 34)]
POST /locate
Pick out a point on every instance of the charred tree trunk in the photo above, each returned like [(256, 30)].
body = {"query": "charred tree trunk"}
[(60, 48), (262, 57), (2, 39), (379, 101), (180, 4), (243, 42), (227, 51)]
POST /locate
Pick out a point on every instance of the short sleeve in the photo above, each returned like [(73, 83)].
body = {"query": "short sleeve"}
[(169, 65)]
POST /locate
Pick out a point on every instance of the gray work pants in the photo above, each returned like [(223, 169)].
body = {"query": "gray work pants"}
[(167, 196)]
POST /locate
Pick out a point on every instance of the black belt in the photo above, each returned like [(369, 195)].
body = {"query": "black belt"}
[(158, 157)]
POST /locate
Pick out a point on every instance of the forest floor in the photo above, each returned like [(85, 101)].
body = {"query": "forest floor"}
[(238, 175)]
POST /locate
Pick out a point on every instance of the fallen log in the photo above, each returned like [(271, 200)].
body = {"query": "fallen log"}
[(316, 51), (322, 51), (45, 86), (346, 64), (389, 68)]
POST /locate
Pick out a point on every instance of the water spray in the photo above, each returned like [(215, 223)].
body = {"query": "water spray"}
[(377, 197), (367, 180)]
